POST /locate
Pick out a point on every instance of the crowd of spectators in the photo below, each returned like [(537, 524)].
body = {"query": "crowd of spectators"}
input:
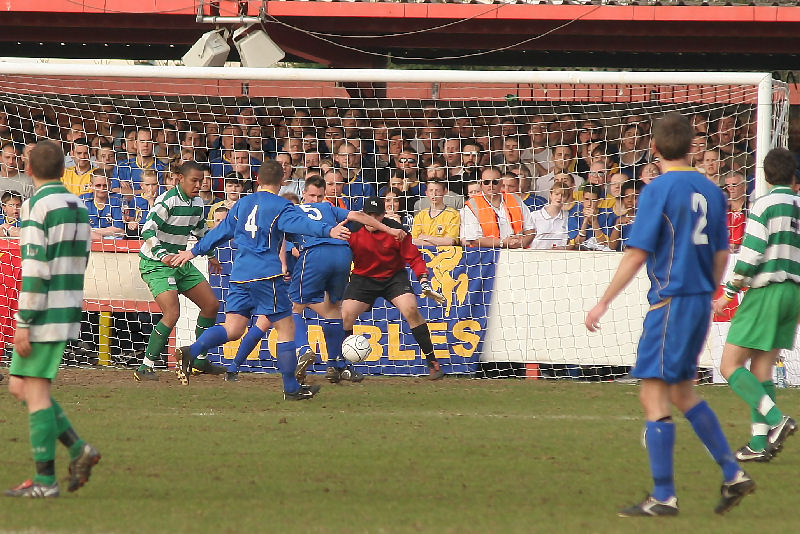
[(564, 181)]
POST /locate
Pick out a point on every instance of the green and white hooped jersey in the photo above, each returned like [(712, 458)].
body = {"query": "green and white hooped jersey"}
[(771, 247), (55, 239), (172, 219)]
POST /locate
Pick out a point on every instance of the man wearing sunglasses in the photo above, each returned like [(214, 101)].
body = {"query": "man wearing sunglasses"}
[(495, 218)]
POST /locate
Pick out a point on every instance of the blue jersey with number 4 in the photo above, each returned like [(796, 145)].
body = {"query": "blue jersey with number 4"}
[(257, 224), (681, 223), (324, 212)]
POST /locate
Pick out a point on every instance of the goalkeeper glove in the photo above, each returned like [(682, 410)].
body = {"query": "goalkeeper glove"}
[(427, 291)]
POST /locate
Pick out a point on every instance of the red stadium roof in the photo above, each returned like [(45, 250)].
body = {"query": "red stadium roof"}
[(693, 37)]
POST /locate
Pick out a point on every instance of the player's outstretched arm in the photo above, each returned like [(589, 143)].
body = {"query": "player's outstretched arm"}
[(632, 261), (361, 217), (216, 236)]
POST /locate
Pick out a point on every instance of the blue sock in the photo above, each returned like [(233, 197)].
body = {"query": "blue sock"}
[(300, 331), (252, 338), (287, 363), (706, 426), (212, 337), (334, 335), (660, 439)]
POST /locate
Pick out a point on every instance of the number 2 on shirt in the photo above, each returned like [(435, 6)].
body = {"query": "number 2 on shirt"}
[(700, 205), (250, 224)]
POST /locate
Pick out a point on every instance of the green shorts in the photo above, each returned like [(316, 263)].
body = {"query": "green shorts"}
[(160, 277), (767, 317), (43, 361)]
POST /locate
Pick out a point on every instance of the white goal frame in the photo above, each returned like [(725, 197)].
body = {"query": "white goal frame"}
[(763, 80)]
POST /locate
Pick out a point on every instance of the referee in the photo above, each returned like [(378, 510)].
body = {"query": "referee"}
[(379, 263)]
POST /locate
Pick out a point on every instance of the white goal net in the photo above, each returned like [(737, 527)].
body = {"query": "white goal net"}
[(510, 311)]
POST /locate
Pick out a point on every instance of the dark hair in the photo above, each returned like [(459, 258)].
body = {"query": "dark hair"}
[(240, 146), (183, 133), (187, 167), (468, 142), (8, 195), (221, 209), (628, 185), (401, 197), (673, 136), (593, 189), (7, 144), (779, 167), (80, 141), (47, 161), (270, 173), (438, 161), (315, 181), (233, 177)]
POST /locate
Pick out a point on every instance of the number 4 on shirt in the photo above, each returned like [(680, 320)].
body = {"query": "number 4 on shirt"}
[(250, 224)]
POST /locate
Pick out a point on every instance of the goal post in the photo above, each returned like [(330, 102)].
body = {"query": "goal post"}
[(508, 312)]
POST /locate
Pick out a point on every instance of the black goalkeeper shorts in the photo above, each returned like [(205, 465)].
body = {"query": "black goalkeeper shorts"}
[(365, 289)]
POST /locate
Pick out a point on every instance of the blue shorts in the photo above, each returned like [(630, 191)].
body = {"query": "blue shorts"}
[(674, 333), (321, 269), (260, 297)]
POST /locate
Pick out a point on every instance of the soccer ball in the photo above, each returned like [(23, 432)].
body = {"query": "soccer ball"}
[(356, 348)]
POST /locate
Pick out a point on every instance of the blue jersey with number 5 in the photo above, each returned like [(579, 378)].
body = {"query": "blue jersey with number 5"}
[(257, 224), (681, 223), (324, 212)]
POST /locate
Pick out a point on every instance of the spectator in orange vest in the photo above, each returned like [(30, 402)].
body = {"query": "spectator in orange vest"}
[(495, 218)]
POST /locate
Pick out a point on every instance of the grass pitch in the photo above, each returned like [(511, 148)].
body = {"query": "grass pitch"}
[(388, 455)]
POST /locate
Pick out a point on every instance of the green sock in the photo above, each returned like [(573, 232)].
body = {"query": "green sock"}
[(202, 324), (158, 340), (43, 444), (747, 386), (66, 434)]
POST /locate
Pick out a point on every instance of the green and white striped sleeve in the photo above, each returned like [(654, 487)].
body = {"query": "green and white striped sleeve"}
[(156, 219), (35, 267)]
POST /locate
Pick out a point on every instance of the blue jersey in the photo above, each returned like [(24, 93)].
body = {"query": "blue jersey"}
[(357, 190), (109, 215), (534, 202), (139, 208), (222, 166), (681, 224), (327, 213), (4, 220), (257, 224), (129, 171), (574, 220)]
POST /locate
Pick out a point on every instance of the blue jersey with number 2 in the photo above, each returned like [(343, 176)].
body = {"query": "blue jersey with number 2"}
[(324, 212), (681, 224), (258, 224)]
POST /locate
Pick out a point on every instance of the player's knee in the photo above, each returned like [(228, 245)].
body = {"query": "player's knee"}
[(210, 309), (413, 316), (16, 386), (234, 331), (169, 318)]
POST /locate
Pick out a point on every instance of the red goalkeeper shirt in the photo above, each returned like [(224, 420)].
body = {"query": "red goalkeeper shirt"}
[(379, 255)]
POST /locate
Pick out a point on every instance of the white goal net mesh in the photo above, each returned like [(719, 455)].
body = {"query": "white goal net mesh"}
[(509, 312)]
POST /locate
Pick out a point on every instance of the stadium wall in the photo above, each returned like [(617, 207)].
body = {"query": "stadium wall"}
[(537, 305)]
